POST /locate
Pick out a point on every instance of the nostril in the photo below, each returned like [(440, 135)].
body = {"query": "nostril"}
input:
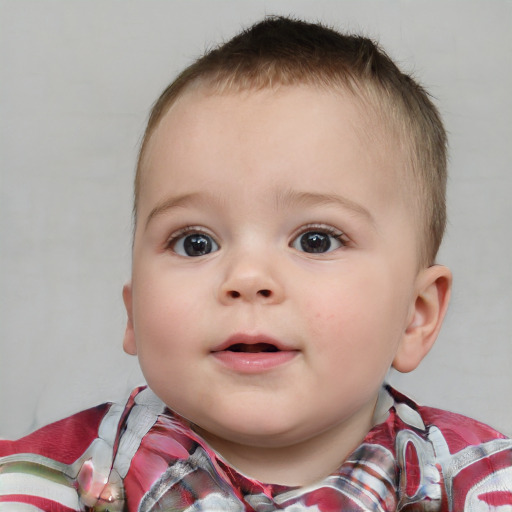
[(234, 294)]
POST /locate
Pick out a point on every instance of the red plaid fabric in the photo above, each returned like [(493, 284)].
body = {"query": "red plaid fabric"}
[(141, 457)]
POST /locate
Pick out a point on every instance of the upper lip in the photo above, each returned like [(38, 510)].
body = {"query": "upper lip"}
[(251, 339)]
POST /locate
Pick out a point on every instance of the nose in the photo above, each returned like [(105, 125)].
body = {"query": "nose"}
[(252, 281)]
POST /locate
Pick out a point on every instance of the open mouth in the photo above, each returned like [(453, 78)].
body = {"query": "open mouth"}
[(252, 348), (245, 354)]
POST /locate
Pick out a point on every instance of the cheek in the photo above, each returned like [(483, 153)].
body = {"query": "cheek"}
[(162, 293), (360, 315), (339, 303), (163, 341), (161, 315)]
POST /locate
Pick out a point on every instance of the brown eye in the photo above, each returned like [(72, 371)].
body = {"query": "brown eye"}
[(317, 242), (195, 244)]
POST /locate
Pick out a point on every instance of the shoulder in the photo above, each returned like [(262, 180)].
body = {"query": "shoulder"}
[(461, 430), (66, 465), (471, 461), (66, 439)]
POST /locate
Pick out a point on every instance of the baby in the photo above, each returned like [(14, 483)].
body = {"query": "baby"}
[(289, 206)]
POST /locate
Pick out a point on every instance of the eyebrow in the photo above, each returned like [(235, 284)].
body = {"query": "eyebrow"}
[(282, 199), (289, 197), (176, 202)]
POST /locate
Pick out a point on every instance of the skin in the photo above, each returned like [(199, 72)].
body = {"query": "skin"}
[(254, 171)]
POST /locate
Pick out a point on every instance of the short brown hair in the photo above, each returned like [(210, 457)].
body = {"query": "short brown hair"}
[(280, 51)]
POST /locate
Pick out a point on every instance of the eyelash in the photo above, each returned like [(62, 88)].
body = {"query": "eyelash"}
[(336, 234), (183, 232), (322, 228)]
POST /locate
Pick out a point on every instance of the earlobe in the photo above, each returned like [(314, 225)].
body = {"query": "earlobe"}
[(425, 318), (129, 345)]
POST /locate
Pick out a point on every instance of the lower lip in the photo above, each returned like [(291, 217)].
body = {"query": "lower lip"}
[(254, 362)]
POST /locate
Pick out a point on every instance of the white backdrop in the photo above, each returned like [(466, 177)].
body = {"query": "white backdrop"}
[(77, 79)]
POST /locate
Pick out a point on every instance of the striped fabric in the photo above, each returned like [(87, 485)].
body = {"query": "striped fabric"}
[(140, 457)]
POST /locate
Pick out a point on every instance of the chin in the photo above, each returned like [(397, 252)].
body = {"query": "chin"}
[(265, 433)]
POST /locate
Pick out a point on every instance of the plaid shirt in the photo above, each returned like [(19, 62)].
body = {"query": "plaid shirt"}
[(140, 456)]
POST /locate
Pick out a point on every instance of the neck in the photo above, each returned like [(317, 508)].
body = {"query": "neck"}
[(296, 464)]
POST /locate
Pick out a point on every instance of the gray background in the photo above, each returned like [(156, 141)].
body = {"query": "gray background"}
[(76, 82)]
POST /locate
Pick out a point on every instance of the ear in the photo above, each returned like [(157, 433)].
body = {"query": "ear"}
[(433, 286), (129, 345)]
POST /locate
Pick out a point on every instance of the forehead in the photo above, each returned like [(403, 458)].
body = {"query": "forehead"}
[(286, 124)]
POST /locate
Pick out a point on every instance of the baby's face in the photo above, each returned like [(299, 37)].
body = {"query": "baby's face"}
[(274, 265)]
